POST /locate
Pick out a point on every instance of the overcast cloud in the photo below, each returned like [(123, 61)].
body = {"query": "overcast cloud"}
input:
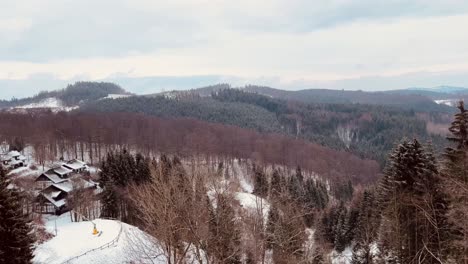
[(149, 45)]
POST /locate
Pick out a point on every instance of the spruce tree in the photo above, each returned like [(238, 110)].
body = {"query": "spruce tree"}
[(260, 183), (366, 230), (413, 206), (225, 239), (16, 239), (276, 188), (455, 173)]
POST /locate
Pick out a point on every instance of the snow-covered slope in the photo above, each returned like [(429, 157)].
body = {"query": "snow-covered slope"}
[(49, 103), (75, 243), (116, 96)]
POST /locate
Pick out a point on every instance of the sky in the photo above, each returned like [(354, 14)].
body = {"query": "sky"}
[(151, 45)]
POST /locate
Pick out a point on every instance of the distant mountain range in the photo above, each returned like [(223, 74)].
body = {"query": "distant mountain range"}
[(421, 99)]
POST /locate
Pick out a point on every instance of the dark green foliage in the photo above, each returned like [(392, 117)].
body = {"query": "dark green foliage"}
[(372, 129), (413, 204), (343, 191), (272, 223), (455, 174), (285, 234), (366, 229), (225, 239), (276, 187), (206, 109), (118, 171), (261, 185), (315, 199), (74, 94), (16, 238), (337, 226)]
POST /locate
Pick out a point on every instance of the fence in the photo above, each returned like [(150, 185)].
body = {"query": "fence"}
[(112, 243)]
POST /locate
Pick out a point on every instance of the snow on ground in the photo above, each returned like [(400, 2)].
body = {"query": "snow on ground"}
[(76, 238), (246, 186), (344, 257), (253, 202), (449, 102), (25, 172), (52, 103), (116, 96)]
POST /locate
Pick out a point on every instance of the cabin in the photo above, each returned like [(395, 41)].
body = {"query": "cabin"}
[(60, 173), (76, 166), (12, 160), (48, 178), (53, 199)]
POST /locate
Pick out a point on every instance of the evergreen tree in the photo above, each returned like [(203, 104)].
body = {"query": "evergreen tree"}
[(366, 230), (16, 239), (455, 172), (260, 183), (276, 187), (413, 206), (225, 237), (272, 223), (143, 173)]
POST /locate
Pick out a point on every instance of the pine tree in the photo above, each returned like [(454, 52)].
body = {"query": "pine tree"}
[(16, 239), (455, 173)]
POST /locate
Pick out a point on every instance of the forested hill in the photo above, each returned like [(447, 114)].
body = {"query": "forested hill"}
[(408, 101), (72, 95), (367, 130)]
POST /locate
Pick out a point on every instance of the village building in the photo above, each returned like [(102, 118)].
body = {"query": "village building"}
[(56, 184), (54, 198), (76, 166), (13, 160)]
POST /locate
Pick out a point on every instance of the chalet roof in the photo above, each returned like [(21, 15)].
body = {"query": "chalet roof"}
[(14, 153), (51, 176), (49, 198), (75, 164), (61, 170), (65, 186), (4, 157), (68, 186), (11, 155)]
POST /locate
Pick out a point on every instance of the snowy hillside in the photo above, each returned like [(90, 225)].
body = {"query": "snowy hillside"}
[(75, 243), (50, 103)]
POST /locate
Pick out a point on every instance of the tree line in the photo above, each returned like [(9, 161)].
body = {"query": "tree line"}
[(90, 136)]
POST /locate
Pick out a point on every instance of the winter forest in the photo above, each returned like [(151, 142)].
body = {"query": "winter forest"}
[(186, 190)]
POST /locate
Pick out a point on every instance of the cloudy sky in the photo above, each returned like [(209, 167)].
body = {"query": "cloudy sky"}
[(151, 45)]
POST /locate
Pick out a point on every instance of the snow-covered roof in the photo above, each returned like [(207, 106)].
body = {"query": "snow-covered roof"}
[(11, 155), (62, 170), (65, 186), (52, 176), (75, 164), (57, 204), (68, 186), (14, 153), (4, 157)]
